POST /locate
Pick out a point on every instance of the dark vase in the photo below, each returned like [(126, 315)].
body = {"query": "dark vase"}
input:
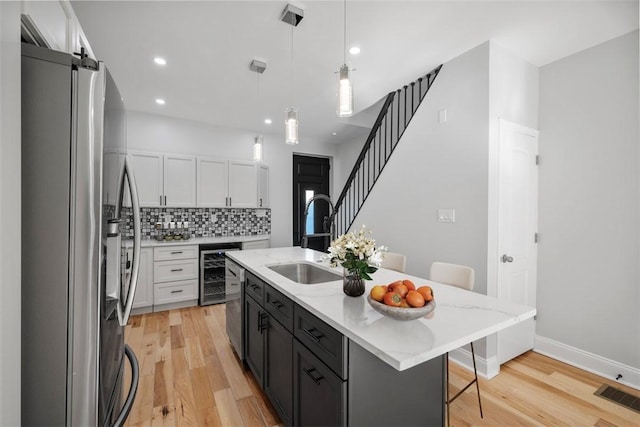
[(353, 284)]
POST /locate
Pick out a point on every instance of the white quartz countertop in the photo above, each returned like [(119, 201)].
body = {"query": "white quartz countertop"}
[(459, 318), (145, 243)]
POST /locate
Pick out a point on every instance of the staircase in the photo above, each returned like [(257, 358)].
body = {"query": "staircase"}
[(395, 115)]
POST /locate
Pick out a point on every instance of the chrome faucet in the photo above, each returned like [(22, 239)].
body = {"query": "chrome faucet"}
[(327, 222)]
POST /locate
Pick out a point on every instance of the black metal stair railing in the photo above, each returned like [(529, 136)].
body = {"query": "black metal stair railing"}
[(395, 115)]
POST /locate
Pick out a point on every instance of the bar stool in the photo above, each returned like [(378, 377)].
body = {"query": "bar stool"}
[(462, 277), (394, 261)]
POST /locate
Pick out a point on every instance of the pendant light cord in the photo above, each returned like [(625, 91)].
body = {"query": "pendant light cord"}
[(345, 31), (292, 65)]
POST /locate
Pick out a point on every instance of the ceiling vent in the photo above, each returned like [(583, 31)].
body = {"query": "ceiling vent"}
[(292, 14), (258, 66)]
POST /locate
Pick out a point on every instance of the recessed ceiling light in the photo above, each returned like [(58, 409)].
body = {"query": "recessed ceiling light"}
[(160, 101), (160, 61), (267, 121), (354, 50), (334, 133)]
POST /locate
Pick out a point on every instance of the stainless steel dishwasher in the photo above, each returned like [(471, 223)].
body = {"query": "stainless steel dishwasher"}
[(234, 284)]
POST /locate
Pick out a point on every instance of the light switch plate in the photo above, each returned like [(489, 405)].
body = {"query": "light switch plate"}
[(442, 115), (261, 213), (446, 215)]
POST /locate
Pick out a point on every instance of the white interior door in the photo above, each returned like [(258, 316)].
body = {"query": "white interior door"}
[(518, 223)]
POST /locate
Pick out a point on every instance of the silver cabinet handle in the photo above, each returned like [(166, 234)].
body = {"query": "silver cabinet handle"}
[(160, 200), (176, 252), (260, 202), (505, 258), (230, 203), (177, 292), (177, 269), (165, 200)]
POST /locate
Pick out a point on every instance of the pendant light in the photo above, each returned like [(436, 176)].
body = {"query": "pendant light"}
[(258, 148), (345, 89), (258, 66), (292, 15), (291, 113)]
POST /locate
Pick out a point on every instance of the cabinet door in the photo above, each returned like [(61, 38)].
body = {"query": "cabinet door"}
[(319, 395), (243, 184), (144, 291), (278, 373), (263, 186), (212, 182), (51, 20), (179, 180), (147, 168), (254, 337)]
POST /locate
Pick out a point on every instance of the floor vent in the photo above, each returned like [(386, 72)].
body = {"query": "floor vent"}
[(620, 397)]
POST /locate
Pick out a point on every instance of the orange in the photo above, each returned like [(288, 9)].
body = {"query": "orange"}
[(392, 299), (426, 292), (409, 284), (401, 289), (415, 299), (378, 292), (404, 304)]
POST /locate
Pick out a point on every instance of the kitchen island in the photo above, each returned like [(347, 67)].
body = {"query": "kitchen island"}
[(378, 371)]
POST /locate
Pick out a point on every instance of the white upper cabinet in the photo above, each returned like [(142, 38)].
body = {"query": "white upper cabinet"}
[(263, 186), (54, 24), (165, 179), (148, 170), (212, 182), (179, 180), (243, 184)]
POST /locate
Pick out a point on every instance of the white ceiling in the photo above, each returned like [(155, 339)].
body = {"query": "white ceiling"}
[(209, 44)]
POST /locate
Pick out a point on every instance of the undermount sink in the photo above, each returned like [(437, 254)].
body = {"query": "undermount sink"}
[(305, 273)]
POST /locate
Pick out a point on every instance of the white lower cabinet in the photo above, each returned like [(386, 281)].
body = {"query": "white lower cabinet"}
[(175, 277), (172, 292), (144, 290)]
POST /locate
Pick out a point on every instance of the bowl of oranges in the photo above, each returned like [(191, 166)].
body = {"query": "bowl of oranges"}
[(401, 300)]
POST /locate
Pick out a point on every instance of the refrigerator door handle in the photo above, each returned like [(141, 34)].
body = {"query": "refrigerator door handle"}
[(135, 375), (124, 310)]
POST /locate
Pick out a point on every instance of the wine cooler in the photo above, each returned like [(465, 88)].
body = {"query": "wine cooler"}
[(212, 273)]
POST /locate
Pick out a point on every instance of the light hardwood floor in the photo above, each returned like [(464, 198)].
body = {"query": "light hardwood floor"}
[(191, 376)]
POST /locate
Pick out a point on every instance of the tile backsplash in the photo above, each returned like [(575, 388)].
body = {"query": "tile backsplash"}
[(203, 222)]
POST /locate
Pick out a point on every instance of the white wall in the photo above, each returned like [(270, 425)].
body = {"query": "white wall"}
[(589, 279), (439, 166), (147, 132), (10, 293)]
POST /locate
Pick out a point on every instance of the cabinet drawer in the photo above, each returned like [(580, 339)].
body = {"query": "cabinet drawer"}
[(169, 253), (166, 293), (255, 244), (279, 306), (254, 287), (325, 342), (171, 271)]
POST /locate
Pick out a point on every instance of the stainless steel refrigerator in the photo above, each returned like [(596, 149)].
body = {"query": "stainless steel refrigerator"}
[(76, 297)]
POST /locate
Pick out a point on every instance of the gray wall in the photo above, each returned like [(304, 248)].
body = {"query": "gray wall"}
[(147, 132), (10, 213), (588, 275)]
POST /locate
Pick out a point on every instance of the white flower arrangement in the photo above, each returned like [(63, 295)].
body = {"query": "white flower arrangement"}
[(357, 253)]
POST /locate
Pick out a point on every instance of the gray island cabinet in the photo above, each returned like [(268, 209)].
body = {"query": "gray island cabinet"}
[(326, 359)]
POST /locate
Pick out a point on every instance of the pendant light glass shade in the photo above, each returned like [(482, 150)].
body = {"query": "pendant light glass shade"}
[(291, 126), (345, 93), (257, 148)]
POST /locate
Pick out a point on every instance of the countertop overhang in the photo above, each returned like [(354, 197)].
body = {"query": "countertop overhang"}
[(460, 316)]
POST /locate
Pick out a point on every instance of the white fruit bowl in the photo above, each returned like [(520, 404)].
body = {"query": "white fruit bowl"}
[(401, 313)]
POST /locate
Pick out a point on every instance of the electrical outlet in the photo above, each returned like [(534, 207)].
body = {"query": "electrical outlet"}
[(446, 215)]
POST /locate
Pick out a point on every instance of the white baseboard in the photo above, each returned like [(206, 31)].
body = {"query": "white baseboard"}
[(487, 368), (588, 361)]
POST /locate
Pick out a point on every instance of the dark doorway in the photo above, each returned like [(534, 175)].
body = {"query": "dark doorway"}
[(310, 178)]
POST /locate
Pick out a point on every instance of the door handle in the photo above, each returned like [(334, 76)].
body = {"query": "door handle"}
[(311, 373), (506, 258)]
